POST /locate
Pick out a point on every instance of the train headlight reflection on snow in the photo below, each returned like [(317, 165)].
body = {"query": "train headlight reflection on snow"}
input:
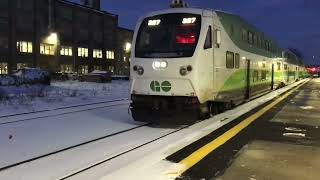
[(155, 22), (189, 20)]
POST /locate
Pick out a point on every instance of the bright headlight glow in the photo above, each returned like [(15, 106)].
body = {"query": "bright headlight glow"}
[(189, 20), (157, 64), (154, 22), (164, 64)]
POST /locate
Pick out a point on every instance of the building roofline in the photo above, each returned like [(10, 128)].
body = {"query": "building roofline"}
[(125, 29), (87, 8)]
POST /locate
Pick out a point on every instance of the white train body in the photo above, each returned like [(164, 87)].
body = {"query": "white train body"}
[(207, 77)]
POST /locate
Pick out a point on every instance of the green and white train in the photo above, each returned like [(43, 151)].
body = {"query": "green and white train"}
[(189, 63)]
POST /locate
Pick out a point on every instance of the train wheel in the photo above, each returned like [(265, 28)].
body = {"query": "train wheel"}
[(214, 109), (204, 112)]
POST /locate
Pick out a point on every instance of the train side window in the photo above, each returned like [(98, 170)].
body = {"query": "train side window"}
[(237, 61), (244, 35), (255, 76), (230, 60), (208, 42), (278, 66), (250, 37), (218, 38)]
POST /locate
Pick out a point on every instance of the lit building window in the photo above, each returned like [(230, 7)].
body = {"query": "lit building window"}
[(21, 65), (124, 59), (83, 69), (46, 49), (3, 68), (97, 53), (24, 47), (110, 54), (83, 52), (99, 68), (111, 69), (66, 68), (66, 51)]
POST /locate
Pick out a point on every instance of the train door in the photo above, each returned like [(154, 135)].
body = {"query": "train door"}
[(248, 78), (217, 46)]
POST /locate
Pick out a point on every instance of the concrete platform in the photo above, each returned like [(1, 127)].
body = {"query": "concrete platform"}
[(287, 146), (264, 160)]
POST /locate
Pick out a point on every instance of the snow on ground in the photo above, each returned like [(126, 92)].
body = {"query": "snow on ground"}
[(43, 135), (26, 98)]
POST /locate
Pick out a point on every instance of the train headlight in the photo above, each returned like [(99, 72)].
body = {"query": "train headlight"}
[(159, 65), (164, 64)]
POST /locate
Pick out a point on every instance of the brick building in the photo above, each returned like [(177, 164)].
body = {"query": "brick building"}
[(61, 36)]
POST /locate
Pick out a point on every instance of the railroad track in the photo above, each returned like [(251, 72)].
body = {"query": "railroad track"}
[(14, 118), (68, 148), (88, 143), (101, 162)]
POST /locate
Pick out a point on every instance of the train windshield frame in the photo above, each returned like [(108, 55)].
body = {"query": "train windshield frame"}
[(173, 35)]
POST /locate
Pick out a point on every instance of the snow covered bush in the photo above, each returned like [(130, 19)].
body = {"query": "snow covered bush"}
[(26, 76)]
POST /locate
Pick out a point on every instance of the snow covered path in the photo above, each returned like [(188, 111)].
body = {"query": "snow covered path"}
[(44, 135)]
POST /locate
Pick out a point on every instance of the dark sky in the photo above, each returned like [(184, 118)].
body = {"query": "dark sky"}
[(293, 23)]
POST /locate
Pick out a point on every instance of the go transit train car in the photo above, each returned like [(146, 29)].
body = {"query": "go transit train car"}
[(189, 63)]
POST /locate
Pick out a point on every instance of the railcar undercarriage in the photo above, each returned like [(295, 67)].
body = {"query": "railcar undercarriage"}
[(181, 110)]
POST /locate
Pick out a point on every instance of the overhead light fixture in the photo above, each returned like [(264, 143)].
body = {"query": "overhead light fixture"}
[(127, 47), (53, 38)]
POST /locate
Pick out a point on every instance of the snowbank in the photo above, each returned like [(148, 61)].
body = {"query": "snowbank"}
[(29, 98)]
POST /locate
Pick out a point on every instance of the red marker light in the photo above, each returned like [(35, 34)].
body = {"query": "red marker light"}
[(186, 39)]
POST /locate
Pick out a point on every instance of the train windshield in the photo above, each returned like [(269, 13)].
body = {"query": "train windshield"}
[(168, 36)]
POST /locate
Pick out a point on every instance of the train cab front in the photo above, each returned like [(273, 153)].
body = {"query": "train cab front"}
[(162, 67)]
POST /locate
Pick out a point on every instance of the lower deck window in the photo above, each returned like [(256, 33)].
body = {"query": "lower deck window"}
[(255, 76), (230, 60), (237, 61)]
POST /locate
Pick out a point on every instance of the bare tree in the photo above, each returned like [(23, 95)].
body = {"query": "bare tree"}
[(179, 4)]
